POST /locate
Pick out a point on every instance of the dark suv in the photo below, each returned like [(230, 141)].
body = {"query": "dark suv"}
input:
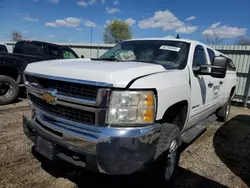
[(13, 64)]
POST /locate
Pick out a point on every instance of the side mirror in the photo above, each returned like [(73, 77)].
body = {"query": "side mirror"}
[(82, 56), (219, 67)]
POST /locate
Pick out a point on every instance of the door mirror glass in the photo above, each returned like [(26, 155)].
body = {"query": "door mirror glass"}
[(219, 67)]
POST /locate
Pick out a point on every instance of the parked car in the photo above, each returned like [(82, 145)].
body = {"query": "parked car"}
[(3, 48), (133, 106), (13, 64)]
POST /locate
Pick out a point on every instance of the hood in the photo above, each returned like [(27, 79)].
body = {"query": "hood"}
[(119, 74)]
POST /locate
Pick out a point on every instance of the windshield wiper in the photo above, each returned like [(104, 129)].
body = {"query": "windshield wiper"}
[(154, 62), (109, 59)]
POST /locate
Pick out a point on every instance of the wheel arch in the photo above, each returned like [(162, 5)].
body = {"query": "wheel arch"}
[(176, 114), (232, 92), (11, 72)]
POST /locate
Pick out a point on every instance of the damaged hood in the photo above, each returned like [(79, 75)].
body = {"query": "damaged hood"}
[(119, 74)]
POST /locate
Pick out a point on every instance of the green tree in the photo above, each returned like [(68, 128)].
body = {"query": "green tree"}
[(116, 31)]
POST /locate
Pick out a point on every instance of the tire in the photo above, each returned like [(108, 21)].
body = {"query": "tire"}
[(167, 152), (8, 90), (224, 112)]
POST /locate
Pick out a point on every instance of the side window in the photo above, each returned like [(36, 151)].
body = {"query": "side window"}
[(67, 54), (53, 52), (211, 55), (199, 56)]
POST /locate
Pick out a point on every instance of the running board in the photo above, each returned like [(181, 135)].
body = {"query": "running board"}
[(192, 133)]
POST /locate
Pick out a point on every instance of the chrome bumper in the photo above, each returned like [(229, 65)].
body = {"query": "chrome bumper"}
[(112, 150)]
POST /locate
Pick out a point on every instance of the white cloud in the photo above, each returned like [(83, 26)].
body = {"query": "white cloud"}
[(30, 19), (215, 25), (116, 2), (70, 40), (130, 21), (67, 22), (54, 1), (224, 31), (89, 23), (91, 2), (191, 18), (85, 4), (112, 10), (107, 22), (102, 1), (186, 29), (82, 3), (166, 21)]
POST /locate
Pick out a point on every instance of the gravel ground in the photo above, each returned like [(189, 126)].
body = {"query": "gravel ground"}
[(220, 157)]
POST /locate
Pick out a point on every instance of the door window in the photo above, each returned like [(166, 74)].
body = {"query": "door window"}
[(200, 58), (67, 54), (53, 52), (211, 55)]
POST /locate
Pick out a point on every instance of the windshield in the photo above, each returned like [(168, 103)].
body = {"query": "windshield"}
[(170, 54)]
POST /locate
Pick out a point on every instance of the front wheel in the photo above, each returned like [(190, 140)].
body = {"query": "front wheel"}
[(168, 151), (172, 160), (8, 90)]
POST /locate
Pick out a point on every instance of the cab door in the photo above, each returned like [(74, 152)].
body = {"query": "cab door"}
[(218, 83), (201, 87)]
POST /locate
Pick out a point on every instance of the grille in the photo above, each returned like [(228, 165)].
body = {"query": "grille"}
[(66, 88), (68, 113)]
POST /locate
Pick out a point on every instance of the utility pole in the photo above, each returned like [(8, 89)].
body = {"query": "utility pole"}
[(91, 32)]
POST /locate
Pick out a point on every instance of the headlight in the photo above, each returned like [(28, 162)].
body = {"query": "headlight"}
[(131, 107)]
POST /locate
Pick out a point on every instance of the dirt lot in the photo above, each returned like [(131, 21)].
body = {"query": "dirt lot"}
[(218, 158)]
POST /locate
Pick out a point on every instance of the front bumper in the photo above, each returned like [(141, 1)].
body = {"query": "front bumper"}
[(108, 150)]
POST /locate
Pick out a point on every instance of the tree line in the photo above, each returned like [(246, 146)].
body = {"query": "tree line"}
[(118, 30)]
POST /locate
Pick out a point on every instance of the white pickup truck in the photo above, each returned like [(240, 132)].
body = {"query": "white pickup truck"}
[(131, 107)]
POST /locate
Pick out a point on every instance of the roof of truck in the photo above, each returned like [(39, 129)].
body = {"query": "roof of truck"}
[(37, 41), (169, 39)]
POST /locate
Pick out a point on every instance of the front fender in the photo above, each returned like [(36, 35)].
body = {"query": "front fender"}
[(172, 86)]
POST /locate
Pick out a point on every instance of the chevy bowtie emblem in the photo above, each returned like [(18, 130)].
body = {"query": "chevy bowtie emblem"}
[(48, 98)]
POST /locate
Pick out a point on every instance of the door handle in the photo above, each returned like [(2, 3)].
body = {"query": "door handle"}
[(221, 82), (210, 85)]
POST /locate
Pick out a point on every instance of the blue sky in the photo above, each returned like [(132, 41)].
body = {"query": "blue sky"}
[(70, 20)]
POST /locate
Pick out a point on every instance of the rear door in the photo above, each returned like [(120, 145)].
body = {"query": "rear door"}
[(201, 87)]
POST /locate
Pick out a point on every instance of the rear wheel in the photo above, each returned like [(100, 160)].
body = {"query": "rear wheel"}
[(8, 90), (224, 112)]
